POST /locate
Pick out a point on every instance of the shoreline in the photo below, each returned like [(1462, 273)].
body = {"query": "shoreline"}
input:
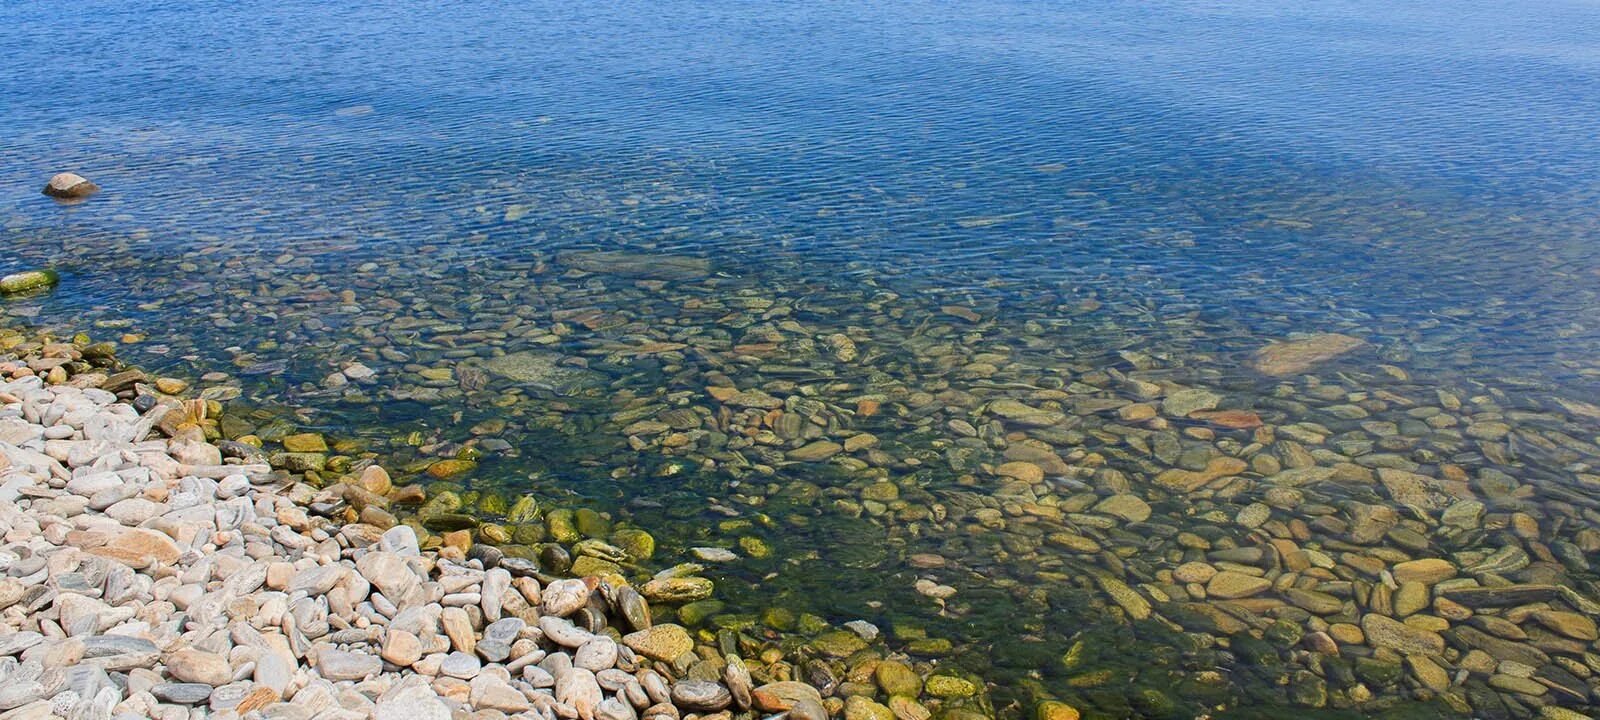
[(181, 573)]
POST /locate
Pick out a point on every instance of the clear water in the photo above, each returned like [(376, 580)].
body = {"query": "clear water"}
[(1134, 188)]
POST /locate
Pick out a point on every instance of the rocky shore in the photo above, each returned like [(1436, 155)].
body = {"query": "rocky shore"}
[(149, 572)]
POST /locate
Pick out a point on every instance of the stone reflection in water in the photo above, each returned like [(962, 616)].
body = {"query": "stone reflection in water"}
[(1075, 496)]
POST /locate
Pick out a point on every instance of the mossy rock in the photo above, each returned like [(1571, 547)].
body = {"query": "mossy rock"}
[(947, 686), (305, 443), (591, 523), (588, 565), (931, 647), (524, 510), (897, 678), (28, 280), (696, 613), (528, 534), (781, 619), (493, 504), (638, 544), (494, 534), (447, 469), (838, 643), (299, 462), (562, 526)]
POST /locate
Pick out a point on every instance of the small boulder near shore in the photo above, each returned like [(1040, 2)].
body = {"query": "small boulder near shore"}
[(28, 280), (70, 186)]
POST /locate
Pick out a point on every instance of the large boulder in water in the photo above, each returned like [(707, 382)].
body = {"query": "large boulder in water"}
[(70, 186), (1291, 357), (28, 280), (544, 370), (638, 265)]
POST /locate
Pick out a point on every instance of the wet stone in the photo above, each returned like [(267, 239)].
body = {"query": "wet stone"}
[(701, 695)]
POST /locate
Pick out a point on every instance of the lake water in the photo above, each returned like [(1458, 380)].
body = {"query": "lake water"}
[(801, 281)]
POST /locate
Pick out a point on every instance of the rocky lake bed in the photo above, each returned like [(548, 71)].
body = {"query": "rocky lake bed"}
[(1329, 533)]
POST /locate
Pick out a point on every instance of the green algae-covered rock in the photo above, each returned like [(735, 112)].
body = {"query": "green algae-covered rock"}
[(590, 523), (28, 280), (638, 544), (696, 613), (524, 510), (947, 686), (839, 643)]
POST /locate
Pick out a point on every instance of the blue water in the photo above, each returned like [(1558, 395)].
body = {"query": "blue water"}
[(1181, 133), (1211, 176)]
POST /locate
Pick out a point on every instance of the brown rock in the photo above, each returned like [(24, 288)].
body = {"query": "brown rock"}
[(1024, 471), (140, 548), (1386, 632), (197, 666), (1570, 624), (664, 642), (1230, 585), (70, 186), (1290, 357), (1426, 571), (1234, 419)]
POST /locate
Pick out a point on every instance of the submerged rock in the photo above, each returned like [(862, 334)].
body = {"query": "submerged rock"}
[(1291, 357), (639, 265), (544, 370)]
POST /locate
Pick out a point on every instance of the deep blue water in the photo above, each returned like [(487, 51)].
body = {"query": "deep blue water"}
[(1436, 155)]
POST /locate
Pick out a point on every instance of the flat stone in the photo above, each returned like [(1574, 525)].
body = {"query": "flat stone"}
[(182, 693), (1194, 572), (1503, 596), (655, 266), (19, 693), (1025, 471), (1183, 402), (781, 696), (197, 666), (334, 664), (815, 452), (416, 702), (458, 627), (401, 648), (389, 572), (664, 642), (1572, 625), (546, 371), (1230, 585), (1316, 603), (496, 695), (1385, 632), (140, 548), (305, 443), (1131, 508), (461, 665), (317, 581), (1427, 571), (1125, 597), (1291, 357), (701, 695), (1018, 413), (897, 678)]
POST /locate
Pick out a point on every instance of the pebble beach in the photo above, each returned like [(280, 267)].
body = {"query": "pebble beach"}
[(148, 576)]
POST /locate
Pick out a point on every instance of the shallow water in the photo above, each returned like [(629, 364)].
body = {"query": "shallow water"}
[(1049, 204)]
